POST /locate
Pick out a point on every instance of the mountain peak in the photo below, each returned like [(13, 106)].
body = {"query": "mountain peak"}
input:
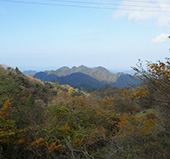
[(101, 68), (100, 73), (85, 77), (74, 67), (64, 68), (83, 67)]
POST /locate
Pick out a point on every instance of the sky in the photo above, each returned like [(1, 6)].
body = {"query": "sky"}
[(49, 34)]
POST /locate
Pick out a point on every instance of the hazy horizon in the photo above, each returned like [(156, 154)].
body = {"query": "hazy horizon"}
[(39, 69)]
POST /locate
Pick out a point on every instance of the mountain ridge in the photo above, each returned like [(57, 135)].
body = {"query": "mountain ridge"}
[(87, 78), (100, 73)]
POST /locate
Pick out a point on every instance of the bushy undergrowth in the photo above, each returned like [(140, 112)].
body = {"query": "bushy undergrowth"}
[(48, 121)]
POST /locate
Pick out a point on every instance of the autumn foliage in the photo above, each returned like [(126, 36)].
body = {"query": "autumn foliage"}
[(45, 120)]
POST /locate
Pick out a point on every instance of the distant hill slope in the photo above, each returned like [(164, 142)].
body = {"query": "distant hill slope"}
[(125, 80), (46, 77), (29, 72), (77, 80), (99, 73), (87, 78)]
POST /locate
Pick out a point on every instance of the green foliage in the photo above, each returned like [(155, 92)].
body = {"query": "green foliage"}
[(45, 120)]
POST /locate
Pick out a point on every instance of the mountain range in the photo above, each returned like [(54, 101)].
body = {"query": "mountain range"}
[(87, 78), (99, 73)]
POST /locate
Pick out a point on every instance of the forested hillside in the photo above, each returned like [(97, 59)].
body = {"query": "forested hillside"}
[(89, 79), (99, 73), (47, 120), (77, 80)]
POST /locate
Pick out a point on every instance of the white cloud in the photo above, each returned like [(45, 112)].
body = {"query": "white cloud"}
[(93, 37), (148, 9), (161, 38), (90, 37), (164, 21)]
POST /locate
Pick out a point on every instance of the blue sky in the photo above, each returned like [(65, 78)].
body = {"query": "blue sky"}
[(48, 37)]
